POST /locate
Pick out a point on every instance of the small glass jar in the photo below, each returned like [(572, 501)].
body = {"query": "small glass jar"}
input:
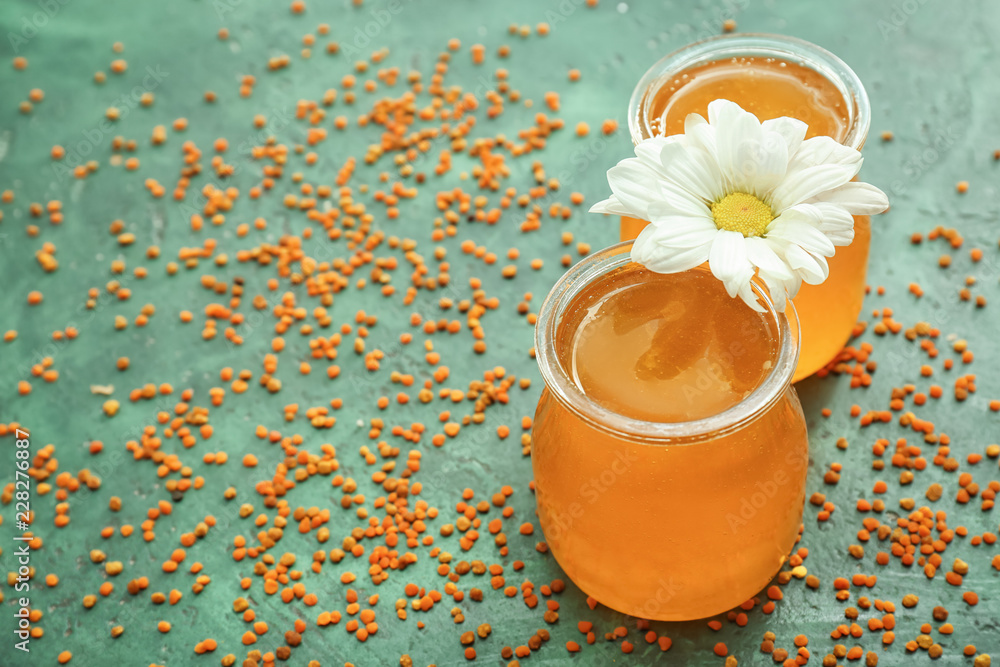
[(771, 76), (665, 520)]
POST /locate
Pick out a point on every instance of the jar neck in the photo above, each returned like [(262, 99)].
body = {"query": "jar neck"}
[(790, 49), (571, 396)]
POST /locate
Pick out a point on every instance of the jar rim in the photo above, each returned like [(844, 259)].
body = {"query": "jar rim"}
[(793, 49), (571, 396)]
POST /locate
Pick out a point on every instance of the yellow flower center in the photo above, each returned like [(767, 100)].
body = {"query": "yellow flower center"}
[(743, 213)]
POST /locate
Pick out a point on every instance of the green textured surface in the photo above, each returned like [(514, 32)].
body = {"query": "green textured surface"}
[(929, 68)]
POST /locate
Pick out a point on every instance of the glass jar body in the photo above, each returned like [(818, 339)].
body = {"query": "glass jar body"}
[(670, 532), (670, 501), (827, 312)]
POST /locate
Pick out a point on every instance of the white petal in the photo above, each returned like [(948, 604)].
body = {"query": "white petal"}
[(793, 230), (857, 198), (692, 169), (765, 165), (684, 231), (766, 259), (760, 163), (722, 111), (777, 290), (792, 288), (728, 261), (634, 184), (673, 200), (792, 130), (651, 249), (737, 142), (610, 206), (750, 297), (837, 224), (803, 212), (824, 150), (806, 183), (702, 134), (648, 151), (693, 121), (813, 269)]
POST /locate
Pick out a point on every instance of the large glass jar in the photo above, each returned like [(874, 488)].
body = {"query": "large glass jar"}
[(650, 513), (772, 76)]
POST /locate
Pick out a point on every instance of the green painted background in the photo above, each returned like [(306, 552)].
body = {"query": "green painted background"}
[(930, 69)]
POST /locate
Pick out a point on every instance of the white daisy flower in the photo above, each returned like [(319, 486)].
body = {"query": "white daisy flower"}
[(745, 196)]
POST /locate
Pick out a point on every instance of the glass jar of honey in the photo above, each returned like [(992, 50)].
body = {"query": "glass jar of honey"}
[(771, 76), (669, 448)]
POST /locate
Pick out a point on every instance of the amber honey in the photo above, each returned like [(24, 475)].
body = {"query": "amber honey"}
[(664, 348), (823, 93), (669, 449)]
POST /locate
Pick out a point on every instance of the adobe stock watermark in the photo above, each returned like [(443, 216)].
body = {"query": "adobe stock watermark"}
[(902, 11), (719, 370), (726, 11), (582, 159), (558, 523), (81, 318), (32, 24), (274, 121), (116, 454), (463, 453), (223, 7), (767, 490), (363, 35), (76, 153), (562, 11), (321, 249), (667, 588), (709, 27), (918, 164)]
